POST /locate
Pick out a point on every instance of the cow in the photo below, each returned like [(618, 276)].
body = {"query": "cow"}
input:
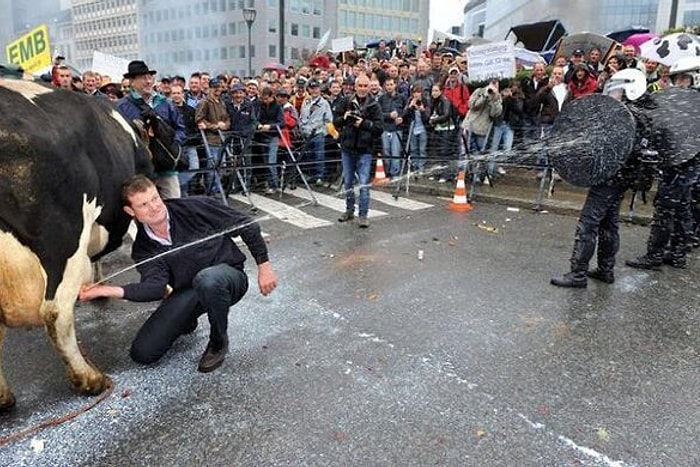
[(63, 157)]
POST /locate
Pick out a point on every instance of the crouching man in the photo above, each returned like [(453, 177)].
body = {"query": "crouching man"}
[(207, 278)]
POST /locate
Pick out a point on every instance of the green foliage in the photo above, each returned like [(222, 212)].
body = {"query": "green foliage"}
[(691, 29)]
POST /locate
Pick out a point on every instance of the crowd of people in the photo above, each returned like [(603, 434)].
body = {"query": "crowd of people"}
[(428, 115)]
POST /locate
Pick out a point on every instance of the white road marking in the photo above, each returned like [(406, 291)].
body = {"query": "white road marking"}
[(331, 202), (283, 212)]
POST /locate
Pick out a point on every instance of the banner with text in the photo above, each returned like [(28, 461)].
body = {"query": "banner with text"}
[(343, 44), (31, 51), (492, 60), (109, 65)]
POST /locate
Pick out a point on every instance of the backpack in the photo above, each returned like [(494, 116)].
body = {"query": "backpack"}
[(166, 152)]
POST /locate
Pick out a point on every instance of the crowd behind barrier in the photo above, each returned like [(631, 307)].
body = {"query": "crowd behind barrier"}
[(436, 121)]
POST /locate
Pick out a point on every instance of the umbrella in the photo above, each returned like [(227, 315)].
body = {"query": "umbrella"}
[(528, 57), (621, 36), (584, 41), (638, 39), (273, 66), (669, 49)]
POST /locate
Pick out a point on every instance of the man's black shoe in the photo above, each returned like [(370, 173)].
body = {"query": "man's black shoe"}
[(570, 279), (603, 276), (346, 217), (644, 262), (211, 358)]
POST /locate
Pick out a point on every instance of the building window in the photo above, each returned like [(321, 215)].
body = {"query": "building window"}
[(317, 32), (295, 53), (241, 51), (271, 25), (272, 51), (223, 53), (305, 30), (295, 29)]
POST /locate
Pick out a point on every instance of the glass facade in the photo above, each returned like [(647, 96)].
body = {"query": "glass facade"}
[(620, 14)]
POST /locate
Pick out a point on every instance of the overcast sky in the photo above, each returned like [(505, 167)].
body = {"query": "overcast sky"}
[(446, 13)]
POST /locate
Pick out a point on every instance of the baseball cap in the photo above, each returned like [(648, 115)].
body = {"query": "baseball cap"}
[(253, 82), (579, 52), (454, 68), (313, 83), (237, 87), (301, 81), (283, 93)]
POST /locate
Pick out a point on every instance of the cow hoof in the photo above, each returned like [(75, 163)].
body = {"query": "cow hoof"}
[(7, 402), (92, 385)]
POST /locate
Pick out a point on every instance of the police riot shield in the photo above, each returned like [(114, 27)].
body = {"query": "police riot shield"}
[(591, 139), (675, 120)]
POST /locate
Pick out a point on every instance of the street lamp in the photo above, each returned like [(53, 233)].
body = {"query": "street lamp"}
[(249, 15)]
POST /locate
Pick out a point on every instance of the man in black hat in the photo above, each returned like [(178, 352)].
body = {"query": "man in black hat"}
[(577, 58), (143, 103)]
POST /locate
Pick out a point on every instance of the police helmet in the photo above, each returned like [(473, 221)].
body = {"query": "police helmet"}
[(631, 81), (687, 66)]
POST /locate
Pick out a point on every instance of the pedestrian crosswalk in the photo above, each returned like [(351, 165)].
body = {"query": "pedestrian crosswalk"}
[(290, 208)]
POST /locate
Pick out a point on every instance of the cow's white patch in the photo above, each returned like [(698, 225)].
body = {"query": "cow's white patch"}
[(98, 239), (22, 284), (28, 89), (124, 124)]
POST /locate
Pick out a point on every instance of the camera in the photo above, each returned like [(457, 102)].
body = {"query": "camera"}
[(490, 90), (419, 103), (354, 115)]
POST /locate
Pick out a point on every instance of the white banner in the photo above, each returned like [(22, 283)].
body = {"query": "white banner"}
[(343, 44), (492, 60), (109, 65)]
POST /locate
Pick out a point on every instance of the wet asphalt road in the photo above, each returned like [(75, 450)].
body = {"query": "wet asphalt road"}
[(366, 355)]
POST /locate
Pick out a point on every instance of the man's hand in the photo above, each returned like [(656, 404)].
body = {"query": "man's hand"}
[(202, 125), (267, 278), (92, 291)]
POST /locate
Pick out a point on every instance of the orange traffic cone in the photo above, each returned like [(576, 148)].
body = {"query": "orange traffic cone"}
[(459, 200), (379, 175)]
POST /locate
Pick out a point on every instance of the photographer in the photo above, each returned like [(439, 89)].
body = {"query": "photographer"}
[(360, 123), (443, 131), (485, 104), (418, 114)]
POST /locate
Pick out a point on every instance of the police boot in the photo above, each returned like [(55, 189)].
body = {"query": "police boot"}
[(602, 275), (674, 260), (645, 262), (604, 271), (573, 279)]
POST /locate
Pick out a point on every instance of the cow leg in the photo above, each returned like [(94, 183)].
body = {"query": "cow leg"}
[(59, 323), (7, 399), (58, 314)]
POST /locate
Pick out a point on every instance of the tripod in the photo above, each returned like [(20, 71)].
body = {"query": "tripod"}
[(298, 169), (405, 161), (226, 161)]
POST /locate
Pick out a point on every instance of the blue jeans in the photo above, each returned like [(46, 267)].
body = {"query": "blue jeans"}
[(190, 155), (317, 150), (502, 136), (391, 151), (213, 181), (214, 290), (419, 150), (272, 146), (361, 164)]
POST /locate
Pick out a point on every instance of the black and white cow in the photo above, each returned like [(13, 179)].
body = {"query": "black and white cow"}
[(63, 157)]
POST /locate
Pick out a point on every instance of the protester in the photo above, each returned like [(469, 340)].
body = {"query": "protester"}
[(140, 103)]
